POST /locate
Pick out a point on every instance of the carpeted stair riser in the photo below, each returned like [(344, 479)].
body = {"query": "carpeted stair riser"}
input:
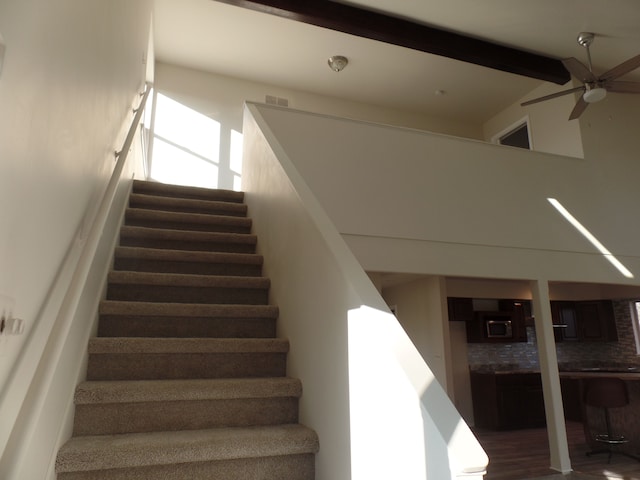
[(185, 205), (117, 418), (104, 408), (139, 319), (162, 366), (179, 288), (179, 261), (184, 240), (188, 358), (186, 221), (176, 327), (178, 191), (221, 453), (290, 467), (186, 294)]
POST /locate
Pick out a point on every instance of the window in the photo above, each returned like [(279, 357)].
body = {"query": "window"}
[(190, 148), (635, 317), (517, 135)]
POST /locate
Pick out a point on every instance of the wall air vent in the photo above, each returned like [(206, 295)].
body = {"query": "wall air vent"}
[(273, 100)]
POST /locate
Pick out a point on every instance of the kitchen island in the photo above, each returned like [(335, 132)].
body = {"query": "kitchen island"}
[(624, 420), (512, 399)]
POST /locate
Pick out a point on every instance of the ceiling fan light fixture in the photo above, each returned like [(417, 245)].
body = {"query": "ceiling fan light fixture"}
[(593, 95), (337, 63)]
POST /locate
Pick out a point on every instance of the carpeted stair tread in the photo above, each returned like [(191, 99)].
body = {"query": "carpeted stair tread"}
[(150, 319), (187, 221), (167, 238), (188, 255), (100, 452), (187, 288), (187, 261), (157, 309), (132, 391), (187, 280), (180, 191), (187, 205), (141, 345)]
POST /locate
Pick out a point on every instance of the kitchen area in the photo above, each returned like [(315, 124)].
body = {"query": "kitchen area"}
[(485, 350), (594, 338)]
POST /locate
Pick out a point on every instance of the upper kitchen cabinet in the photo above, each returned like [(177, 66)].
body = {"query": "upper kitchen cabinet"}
[(584, 321), (490, 321)]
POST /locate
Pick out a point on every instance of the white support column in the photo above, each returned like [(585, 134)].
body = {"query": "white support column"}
[(556, 429)]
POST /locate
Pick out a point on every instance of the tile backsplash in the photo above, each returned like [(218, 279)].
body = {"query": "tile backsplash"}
[(582, 354)]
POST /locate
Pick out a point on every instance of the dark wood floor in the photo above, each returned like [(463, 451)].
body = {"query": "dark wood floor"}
[(524, 454)]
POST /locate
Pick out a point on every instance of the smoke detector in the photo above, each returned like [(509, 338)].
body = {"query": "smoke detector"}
[(337, 63)]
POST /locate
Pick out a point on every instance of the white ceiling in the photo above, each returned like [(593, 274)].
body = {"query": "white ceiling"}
[(224, 39)]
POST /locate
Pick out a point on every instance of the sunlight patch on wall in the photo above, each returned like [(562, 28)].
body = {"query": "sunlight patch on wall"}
[(186, 146), (589, 236)]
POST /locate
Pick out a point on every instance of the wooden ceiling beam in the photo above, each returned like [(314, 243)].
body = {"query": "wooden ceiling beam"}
[(377, 26)]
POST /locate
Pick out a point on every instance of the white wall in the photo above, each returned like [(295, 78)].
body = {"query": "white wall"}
[(418, 202), (422, 313), (71, 75), (549, 127), (377, 408), (222, 98)]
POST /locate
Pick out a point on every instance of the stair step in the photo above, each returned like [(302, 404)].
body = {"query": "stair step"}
[(187, 205), (132, 236), (118, 358), (186, 221), (154, 319), (104, 408), (187, 261), (179, 191), (183, 288), (191, 454)]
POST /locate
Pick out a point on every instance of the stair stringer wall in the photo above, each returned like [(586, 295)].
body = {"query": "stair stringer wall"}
[(328, 309), (50, 375)]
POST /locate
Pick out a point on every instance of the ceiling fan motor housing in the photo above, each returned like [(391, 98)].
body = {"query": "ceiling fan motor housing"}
[(594, 94)]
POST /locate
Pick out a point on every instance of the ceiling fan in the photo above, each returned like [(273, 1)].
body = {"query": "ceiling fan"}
[(594, 87)]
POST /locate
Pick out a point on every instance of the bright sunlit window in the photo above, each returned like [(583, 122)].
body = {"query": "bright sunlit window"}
[(186, 145), (635, 317), (235, 159)]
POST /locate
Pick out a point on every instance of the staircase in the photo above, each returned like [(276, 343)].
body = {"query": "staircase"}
[(186, 379)]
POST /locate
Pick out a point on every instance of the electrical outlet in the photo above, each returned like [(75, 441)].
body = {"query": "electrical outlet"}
[(3, 336), (15, 326)]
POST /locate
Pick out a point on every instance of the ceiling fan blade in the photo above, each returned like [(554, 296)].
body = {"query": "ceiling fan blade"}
[(580, 107), (623, 87), (553, 95), (579, 70), (624, 67)]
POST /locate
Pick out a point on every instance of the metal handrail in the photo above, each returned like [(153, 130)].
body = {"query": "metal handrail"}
[(134, 125)]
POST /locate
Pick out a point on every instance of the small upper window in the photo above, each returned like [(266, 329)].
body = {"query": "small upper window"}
[(516, 138), (515, 135)]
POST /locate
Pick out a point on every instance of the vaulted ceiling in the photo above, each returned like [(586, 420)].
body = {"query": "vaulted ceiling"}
[(224, 38)]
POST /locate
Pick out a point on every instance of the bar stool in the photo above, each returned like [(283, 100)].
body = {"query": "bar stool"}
[(606, 393)]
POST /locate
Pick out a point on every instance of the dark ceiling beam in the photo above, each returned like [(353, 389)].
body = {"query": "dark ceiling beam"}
[(404, 33)]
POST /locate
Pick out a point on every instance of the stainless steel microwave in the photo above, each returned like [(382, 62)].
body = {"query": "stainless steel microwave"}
[(498, 328)]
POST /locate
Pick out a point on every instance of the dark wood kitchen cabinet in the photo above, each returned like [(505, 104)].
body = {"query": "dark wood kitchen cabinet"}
[(507, 401), (461, 309), (584, 321)]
